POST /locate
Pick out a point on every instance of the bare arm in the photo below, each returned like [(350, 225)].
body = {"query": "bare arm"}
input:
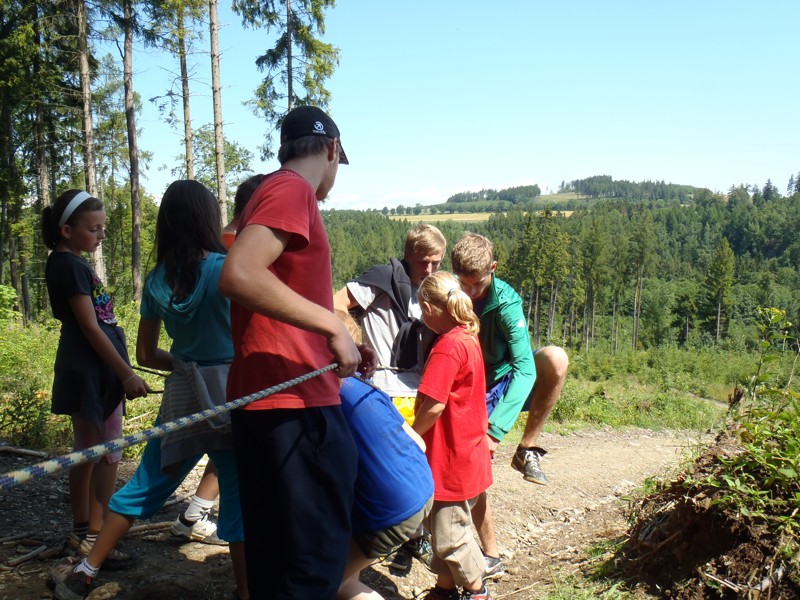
[(414, 435), (82, 308), (148, 354), (428, 412), (343, 300), (246, 279)]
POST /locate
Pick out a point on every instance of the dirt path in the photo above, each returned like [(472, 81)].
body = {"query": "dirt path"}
[(543, 530)]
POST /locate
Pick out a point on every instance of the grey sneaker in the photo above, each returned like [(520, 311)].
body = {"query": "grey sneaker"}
[(67, 584), (204, 530), (526, 461), (494, 567)]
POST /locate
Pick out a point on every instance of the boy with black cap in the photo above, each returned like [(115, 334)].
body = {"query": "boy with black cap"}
[(295, 455)]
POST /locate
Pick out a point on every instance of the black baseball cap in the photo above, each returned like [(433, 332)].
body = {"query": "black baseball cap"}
[(309, 120)]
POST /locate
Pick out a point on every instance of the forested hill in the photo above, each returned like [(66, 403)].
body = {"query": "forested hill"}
[(577, 194), (514, 195), (624, 272), (603, 186)]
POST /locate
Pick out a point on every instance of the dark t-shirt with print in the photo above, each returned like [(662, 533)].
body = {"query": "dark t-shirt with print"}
[(68, 275), (83, 383)]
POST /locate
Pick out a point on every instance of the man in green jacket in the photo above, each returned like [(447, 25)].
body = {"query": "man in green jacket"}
[(511, 370)]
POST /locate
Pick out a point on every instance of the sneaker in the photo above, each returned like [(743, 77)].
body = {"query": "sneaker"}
[(526, 461), (72, 543), (67, 584), (204, 530), (482, 594), (437, 593), (421, 549), (400, 562), (494, 567), (116, 560)]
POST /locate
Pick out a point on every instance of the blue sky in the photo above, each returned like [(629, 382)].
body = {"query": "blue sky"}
[(434, 98)]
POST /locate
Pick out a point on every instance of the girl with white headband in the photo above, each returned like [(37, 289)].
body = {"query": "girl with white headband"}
[(93, 374)]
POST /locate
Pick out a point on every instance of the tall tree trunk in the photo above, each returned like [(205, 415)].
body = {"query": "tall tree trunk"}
[(537, 334), (289, 91), (614, 326), (6, 157), (187, 119), (133, 155), (530, 307), (552, 312), (42, 199), (686, 339), (216, 89), (719, 317), (12, 208), (90, 170), (637, 305)]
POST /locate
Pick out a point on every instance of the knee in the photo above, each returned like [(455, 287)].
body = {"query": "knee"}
[(552, 362)]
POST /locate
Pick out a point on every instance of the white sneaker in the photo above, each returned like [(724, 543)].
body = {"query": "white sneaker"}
[(203, 530)]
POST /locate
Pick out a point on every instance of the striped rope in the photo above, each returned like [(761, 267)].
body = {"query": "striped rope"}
[(60, 463)]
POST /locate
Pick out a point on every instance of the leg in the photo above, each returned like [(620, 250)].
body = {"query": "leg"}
[(296, 541), (195, 523), (551, 371), (239, 569), (457, 559), (208, 488), (101, 488), (231, 527), (482, 518), (114, 529), (79, 478), (351, 588)]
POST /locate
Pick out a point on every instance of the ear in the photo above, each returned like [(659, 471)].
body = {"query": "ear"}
[(65, 231), (333, 151), (493, 267)]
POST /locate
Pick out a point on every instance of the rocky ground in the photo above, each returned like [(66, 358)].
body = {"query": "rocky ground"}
[(544, 531)]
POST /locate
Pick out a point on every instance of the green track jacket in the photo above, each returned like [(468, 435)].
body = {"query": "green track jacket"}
[(506, 348)]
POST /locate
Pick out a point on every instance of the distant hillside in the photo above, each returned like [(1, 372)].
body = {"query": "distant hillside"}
[(575, 195), (514, 195), (603, 186)]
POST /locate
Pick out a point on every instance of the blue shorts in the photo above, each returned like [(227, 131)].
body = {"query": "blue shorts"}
[(149, 488), (495, 394)]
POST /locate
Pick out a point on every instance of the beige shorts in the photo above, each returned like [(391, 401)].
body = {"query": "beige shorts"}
[(455, 550)]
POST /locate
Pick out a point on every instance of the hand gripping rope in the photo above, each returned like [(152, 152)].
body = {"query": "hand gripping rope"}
[(48, 467)]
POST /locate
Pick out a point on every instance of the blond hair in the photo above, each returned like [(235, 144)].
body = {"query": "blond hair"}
[(472, 255), (442, 290), (350, 324), (426, 239)]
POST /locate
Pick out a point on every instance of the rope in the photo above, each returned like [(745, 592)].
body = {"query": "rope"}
[(60, 463)]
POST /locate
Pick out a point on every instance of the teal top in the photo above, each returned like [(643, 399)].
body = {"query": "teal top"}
[(199, 325), (506, 349)]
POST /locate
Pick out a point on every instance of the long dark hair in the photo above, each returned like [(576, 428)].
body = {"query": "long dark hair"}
[(51, 215), (188, 224)]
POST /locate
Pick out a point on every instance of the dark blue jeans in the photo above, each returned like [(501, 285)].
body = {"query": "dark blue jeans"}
[(297, 468)]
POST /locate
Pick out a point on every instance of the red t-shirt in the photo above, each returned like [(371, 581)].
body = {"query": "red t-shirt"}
[(269, 352), (456, 444)]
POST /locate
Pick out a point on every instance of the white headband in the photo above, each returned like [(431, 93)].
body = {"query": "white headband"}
[(79, 198)]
